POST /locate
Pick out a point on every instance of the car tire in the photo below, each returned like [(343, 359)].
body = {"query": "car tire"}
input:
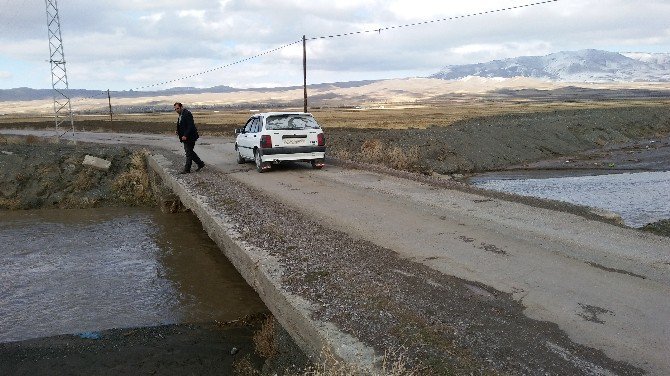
[(240, 158), (257, 160)]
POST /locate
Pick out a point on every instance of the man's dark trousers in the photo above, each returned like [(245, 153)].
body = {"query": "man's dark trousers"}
[(191, 156)]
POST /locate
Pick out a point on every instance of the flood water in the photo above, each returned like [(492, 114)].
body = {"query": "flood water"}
[(73, 271), (640, 198)]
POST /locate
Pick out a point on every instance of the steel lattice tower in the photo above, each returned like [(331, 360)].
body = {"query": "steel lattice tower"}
[(62, 106)]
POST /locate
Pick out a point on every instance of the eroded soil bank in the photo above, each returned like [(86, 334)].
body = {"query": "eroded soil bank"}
[(498, 142), (37, 174)]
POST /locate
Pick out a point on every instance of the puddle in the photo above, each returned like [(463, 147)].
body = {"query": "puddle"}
[(640, 198)]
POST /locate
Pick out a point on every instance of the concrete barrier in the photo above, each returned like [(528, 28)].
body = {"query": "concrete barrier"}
[(263, 272)]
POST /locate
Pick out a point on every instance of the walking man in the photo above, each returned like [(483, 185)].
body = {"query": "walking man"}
[(188, 135)]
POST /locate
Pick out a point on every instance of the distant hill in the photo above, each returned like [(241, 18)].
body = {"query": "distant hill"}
[(28, 94), (571, 66)]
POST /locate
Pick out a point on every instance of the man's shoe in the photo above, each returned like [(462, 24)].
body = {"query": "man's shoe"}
[(200, 167), (184, 172)]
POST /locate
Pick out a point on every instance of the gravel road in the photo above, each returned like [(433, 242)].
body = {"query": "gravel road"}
[(607, 287)]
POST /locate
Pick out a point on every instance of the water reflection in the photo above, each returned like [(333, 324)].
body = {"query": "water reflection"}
[(639, 198), (68, 271)]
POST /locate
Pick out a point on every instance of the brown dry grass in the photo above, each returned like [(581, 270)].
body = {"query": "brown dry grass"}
[(12, 140), (84, 180), (132, 185), (264, 339), (396, 116), (375, 151), (448, 113), (244, 367), (391, 364), (13, 203)]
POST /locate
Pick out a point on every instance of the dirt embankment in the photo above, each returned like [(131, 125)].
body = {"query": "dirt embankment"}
[(497, 142), (35, 174)]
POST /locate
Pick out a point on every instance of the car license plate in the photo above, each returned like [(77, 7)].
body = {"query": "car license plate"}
[(293, 141)]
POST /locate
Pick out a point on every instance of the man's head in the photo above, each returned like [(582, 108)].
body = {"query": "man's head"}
[(177, 107)]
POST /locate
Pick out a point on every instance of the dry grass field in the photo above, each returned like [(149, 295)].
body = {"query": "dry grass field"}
[(387, 104), (393, 116)]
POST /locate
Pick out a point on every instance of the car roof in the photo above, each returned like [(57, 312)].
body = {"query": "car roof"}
[(266, 114)]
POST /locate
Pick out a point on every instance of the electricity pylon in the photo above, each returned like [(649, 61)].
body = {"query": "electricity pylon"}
[(62, 106)]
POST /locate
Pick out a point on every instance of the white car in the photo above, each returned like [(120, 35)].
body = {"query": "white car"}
[(273, 137)]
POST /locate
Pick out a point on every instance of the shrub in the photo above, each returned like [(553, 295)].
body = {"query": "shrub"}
[(264, 339), (132, 186), (401, 160), (373, 150)]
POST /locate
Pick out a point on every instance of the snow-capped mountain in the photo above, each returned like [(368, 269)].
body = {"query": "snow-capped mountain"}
[(571, 66)]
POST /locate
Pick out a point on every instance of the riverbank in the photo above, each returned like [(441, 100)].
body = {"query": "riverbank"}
[(242, 347), (52, 174)]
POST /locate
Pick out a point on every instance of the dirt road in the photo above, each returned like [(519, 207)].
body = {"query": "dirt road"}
[(605, 286)]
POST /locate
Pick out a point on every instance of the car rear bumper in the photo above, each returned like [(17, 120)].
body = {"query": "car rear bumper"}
[(294, 150), (293, 153)]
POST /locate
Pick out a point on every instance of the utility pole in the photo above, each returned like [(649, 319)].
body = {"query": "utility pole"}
[(304, 70), (62, 106), (109, 98)]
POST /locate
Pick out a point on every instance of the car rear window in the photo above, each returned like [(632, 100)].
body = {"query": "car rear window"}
[(278, 122)]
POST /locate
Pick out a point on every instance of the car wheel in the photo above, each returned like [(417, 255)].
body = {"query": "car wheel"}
[(259, 162), (240, 158), (317, 164)]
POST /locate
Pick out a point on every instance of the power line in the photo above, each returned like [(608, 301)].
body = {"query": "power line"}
[(200, 73), (220, 67), (379, 30)]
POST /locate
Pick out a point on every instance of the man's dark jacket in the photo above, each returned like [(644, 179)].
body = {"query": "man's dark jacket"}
[(186, 126)]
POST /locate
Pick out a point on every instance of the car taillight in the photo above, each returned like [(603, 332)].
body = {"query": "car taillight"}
[(321, 139), (266, 141)]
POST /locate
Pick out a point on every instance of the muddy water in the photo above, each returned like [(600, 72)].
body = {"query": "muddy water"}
[(639, 198), (73, 271)]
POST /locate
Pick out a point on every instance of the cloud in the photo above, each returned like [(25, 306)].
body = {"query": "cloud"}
[(488, 52), (135, 43), (153, 19)]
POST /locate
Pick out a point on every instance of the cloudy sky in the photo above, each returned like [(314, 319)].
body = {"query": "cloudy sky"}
[(141, 44)]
